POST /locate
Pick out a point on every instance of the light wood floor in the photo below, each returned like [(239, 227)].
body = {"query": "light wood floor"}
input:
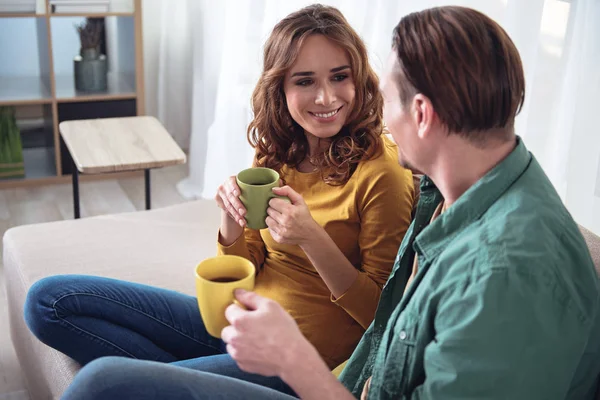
[(52, 203)]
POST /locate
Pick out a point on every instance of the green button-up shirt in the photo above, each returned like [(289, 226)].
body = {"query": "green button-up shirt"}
[(504, 303)]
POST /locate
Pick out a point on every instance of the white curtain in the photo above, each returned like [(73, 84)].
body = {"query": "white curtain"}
[(168, 64), (559, 42), (577, 136)]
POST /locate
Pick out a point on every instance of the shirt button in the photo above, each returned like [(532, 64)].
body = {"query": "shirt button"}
[(402, 335)]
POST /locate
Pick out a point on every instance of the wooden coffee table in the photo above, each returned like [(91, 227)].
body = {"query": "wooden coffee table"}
[(107, 145)]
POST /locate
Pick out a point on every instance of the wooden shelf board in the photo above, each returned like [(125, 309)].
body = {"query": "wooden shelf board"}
[(21, 15), (119, 87), (24, 102), (24, 90), (93, 15)]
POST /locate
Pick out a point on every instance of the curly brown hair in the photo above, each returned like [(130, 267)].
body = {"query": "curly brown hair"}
[(276, 137)]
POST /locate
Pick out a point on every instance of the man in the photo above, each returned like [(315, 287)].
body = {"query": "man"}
[(493, 295)]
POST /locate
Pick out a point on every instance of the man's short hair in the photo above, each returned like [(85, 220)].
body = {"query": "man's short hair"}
[(466, 64)]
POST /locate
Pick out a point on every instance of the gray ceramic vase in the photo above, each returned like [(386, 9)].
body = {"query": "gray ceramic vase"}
[(90, 71)]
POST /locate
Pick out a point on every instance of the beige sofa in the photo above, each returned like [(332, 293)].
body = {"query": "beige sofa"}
[(158, 247)]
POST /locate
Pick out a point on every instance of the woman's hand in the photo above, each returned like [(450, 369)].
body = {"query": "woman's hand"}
[(290, 222), (228, 200)]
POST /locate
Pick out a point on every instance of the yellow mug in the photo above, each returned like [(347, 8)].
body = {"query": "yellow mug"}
[(216, 279)]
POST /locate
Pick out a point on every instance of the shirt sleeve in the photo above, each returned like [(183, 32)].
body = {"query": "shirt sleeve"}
[(384, 200), (249, 245), (506, 335)]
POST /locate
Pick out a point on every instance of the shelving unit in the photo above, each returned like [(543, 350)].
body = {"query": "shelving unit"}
[(36, 70)]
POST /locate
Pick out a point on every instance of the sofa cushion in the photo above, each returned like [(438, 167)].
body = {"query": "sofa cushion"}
[(158, 247), (593, 243)]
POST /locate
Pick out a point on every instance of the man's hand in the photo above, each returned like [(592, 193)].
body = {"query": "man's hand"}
[(264, 339)]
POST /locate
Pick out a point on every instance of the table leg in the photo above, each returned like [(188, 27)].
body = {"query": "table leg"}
[(75, 176), (147, 179)]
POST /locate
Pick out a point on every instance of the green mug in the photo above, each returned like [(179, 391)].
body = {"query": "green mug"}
[(256, 189)]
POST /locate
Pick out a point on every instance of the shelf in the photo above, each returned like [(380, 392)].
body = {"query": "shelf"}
[(120, 86), (39, 163), (22, 15), (23, 90), (116, 8), (40, 136), (93, 15)]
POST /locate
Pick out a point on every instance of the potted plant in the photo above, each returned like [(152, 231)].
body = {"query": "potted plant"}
[(11, 150), (90, 66)]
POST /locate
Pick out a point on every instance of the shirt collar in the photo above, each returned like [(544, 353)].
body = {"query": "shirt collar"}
[(473, 203)]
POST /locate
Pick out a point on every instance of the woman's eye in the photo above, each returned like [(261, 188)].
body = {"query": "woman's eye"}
[(304, 82), (340, 77)]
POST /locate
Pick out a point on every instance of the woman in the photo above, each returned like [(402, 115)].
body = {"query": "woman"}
[(325, 254), (318, 121)]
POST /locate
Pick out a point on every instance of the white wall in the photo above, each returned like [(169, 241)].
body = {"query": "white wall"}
[(19, 47), (65, 43)]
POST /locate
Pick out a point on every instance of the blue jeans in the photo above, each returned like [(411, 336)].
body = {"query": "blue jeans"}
[(121, 378), (88, 317)]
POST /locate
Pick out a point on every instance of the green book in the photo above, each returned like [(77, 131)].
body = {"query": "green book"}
[(11, 149)]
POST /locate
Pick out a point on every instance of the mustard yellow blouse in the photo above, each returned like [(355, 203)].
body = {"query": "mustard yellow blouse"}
[(367, 219)]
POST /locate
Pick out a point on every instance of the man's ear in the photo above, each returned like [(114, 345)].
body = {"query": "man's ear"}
[(423, 114)]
